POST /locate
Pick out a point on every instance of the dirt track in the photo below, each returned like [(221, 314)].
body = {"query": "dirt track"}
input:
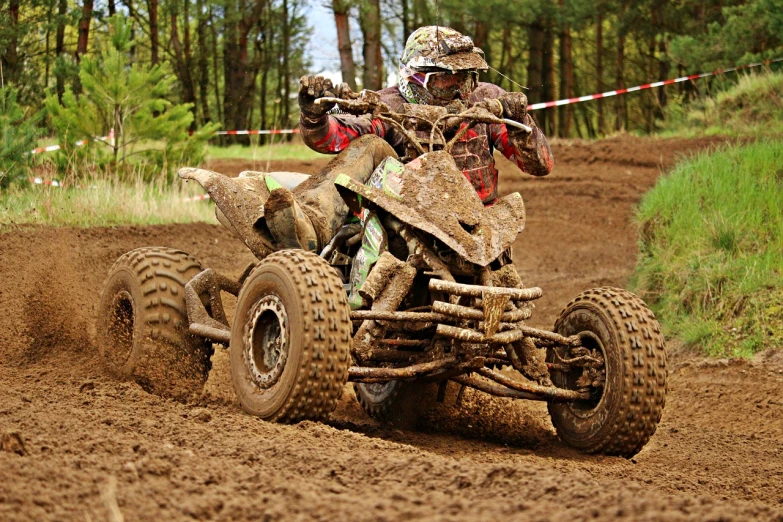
[(95, 445)]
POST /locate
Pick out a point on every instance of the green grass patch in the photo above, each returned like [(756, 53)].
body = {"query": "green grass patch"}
[(104, 202), (751, 107), (711, 260), (278, 151), (101, 200)]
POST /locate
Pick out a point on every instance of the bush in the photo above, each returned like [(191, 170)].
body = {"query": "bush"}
[(751, 107), (18, 136), (711, 260)]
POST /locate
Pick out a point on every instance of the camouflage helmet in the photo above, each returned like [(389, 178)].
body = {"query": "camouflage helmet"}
[(434, 49)]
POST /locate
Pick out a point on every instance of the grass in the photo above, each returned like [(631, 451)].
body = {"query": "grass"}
[(103, 202), (751, 107), (711, 261), (279, 151)]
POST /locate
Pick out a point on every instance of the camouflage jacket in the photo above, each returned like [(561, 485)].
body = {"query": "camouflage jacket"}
[(473, 154)]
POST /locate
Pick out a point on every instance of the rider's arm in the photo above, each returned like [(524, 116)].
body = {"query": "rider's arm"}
[(530, 151), (332, 133)]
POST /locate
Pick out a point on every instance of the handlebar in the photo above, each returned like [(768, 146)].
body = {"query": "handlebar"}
[(369, 102)]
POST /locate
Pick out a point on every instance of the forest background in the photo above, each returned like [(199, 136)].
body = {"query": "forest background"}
[(237, 62)]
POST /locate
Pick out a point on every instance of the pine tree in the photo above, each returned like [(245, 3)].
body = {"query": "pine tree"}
[(18, 135), (150, 132)]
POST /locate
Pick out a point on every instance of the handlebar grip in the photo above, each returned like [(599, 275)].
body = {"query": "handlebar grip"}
[(522, 126)]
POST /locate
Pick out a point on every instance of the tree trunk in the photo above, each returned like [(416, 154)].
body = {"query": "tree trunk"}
[(203, 62), (621, 114), (286, 67), (663, 69), (216, 68), (342, 21), (239, 72), (152, 6), (10, 58), (84, 29), (270, 56), (566, 79), (535, 64), (481, 39), (183, 60), (505, 53), (59, 47), (599, 70), (370, 22), (112, 8), (548, 74), (406, 25)]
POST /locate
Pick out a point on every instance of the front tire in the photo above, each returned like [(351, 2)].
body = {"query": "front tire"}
[(620, 418), (143, 323), (291, 338)]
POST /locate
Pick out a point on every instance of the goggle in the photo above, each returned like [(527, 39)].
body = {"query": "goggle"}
[(446, 85)]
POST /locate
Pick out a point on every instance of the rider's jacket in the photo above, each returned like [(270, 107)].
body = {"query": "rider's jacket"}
[(473, 154)]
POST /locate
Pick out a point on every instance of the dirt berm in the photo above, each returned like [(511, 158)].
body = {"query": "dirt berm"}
[(76, 445)]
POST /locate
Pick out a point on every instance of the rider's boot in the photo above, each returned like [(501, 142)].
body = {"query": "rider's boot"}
[(290, 227)]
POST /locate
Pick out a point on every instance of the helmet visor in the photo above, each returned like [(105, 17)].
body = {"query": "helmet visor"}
[(449, 86)]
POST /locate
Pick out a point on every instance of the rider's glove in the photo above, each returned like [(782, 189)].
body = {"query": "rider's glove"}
[(514, 105), (310, 89)]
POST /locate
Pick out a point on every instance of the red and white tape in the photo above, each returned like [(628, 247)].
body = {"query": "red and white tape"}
[(568, 101), (47, 182), (254, 132), (197, 198), (80, 143)]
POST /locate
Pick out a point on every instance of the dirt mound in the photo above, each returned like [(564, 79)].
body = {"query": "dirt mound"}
[(92, 445)]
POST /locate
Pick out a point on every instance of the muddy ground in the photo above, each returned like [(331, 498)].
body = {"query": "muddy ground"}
[(96, 449)]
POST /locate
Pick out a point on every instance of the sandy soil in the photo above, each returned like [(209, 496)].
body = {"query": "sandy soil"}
[(76, 445)]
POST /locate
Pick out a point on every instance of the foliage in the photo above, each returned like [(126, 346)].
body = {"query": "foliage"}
[(711, 261), (752, 107), (131, 100), (746, 32), (18, 136)]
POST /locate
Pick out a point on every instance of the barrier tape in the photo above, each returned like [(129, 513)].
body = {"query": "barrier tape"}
[(254, 132), (47, 182), (197, 198), (568, 101), (80, 143)]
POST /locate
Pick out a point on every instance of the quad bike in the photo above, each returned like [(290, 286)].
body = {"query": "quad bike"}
[(419, 291)]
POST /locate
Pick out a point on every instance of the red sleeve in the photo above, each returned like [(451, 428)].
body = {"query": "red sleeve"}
[(335, 132), (530, 152)]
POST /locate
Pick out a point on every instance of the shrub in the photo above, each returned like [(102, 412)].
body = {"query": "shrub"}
[(18, 135)]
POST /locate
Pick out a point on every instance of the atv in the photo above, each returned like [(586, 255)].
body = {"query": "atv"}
[(417, 290)]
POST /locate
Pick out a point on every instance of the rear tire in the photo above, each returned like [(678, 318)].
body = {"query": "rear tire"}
[(399, 404), (143, 324), (622, 417), (291, 338)]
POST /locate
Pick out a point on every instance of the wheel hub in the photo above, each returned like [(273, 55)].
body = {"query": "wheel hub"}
[(266, 339)]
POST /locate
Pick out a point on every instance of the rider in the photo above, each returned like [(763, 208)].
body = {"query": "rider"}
[(438, 66)]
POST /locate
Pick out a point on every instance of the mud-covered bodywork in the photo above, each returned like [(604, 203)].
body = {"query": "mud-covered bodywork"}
[(432, 195), (240, 202)]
